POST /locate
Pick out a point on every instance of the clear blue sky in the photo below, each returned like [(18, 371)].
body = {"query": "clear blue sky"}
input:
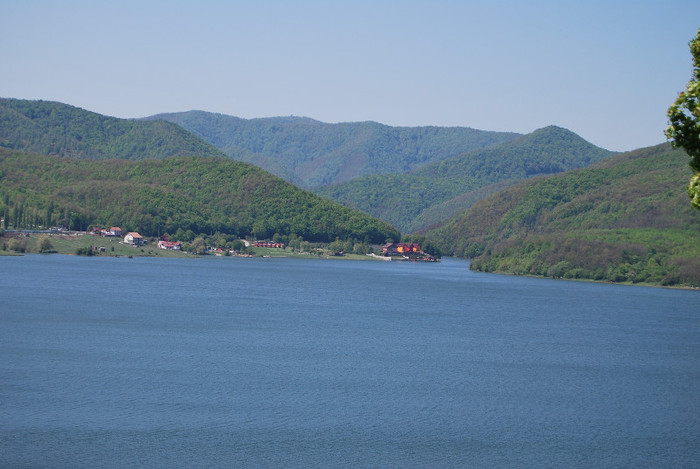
[(606, 70)]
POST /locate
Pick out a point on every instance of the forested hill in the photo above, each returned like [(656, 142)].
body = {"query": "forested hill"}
[(624, 219), (435, 192), (52, 128), (310, 153), (179, 194)]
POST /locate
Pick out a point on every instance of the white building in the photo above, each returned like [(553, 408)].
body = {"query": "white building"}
[(134, 239)]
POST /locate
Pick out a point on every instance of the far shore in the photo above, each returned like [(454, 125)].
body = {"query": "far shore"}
[(70, 243)]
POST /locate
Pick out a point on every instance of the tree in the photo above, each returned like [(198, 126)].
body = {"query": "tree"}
[(45, 244), (684, 122), (237, 245), (198, 246)]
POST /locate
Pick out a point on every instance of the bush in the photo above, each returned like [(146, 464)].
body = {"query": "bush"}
[(45, 244), (17, 245), (559, 270), (85, 251)]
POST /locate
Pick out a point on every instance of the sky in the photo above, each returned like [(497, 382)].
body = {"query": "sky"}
[(606, 70)]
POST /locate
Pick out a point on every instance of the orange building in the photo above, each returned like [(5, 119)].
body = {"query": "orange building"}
[(391, 249)]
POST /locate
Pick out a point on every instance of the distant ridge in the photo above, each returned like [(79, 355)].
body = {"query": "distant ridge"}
[(435, 192), (52, 128), (310, 153)]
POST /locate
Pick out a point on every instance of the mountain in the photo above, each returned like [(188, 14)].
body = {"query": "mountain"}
[(310, 153), (52, 128), (199, 194), (439, 190), (627, 218)]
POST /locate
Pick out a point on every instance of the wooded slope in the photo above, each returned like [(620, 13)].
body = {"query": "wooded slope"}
[(624, 219), (154, 196), (52, 128), (310, 153), (442, 189)]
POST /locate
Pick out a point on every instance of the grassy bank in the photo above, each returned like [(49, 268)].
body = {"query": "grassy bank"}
[(81, 244), (72, 244)]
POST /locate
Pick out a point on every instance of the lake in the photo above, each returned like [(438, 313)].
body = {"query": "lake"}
[(149, 362)]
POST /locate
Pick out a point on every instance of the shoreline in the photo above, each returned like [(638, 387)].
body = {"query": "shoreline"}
[(590, 280), (69, 243)]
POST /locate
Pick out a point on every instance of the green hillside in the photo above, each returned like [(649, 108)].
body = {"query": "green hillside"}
[(51, 128), (626, 219), (436, 192), (310, 153), (195, 194)]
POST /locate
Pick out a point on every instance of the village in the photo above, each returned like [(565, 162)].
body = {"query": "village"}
[(389, 251)]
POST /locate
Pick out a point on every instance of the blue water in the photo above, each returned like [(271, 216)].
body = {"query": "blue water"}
[(115, 362)]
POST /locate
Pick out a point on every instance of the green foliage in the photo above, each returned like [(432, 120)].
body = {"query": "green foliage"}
[(442, 189), (181, 195), (198, 246), (627, 255), (684, 121), (310, 153), (684, 113), (45, 244), (694, 190), (622, 219), (17, 245), (85, 251), (52, 128)]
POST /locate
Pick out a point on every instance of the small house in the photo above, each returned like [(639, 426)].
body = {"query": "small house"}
[(134, 239), (389, 249), (116, 231), (170, 245)]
